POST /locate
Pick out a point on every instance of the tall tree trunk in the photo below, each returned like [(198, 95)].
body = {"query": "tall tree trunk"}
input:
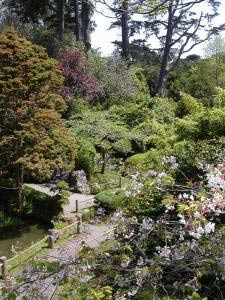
[(77, 21), (61, 19), (86, 23), (125, 30), (19, 187), (165, 64)]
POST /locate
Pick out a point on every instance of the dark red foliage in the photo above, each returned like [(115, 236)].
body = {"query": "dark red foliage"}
[(78, 81)]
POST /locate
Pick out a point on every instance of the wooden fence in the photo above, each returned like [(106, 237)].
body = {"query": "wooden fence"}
[(48, 242), (4, 262)]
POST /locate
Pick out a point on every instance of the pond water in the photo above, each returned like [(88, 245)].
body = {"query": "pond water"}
[(21, 239)]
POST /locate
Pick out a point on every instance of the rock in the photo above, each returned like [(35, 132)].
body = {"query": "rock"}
[(79, 183)]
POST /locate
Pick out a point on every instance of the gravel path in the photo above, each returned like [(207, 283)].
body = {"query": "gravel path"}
[(92, 235), (92, 238)]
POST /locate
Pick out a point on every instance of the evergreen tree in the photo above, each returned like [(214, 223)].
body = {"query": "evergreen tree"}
[(33, 138)]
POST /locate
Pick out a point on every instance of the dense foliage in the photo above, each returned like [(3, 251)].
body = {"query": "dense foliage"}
[(155, 164), (34, 140)]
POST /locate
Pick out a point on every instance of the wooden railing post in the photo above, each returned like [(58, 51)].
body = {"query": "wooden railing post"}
[(3, 261), (77, 208), (66, 276), (120, 182), (50, 239)]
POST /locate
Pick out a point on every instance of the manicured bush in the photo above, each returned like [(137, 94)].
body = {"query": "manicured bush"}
[(152, 159), (111, 199)]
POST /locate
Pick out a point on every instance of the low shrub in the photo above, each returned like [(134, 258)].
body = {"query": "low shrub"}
[(111, 199), (8, 222)]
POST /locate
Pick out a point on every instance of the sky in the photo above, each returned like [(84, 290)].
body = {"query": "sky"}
[(102, 38)]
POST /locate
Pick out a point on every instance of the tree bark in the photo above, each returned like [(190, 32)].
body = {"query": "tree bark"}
[(86, 23), (19, 186), (61, 19), (165, 64), (125, 30), (77, 21)]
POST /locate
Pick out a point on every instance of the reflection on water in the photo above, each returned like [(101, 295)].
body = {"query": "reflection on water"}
[(21, 239)]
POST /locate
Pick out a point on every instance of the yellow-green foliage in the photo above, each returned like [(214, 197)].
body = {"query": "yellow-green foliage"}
[(33, 136), (139, 79), (206, 124), (220, 98), (151, 159), (112, 198), (188, 105), (155, 134), (187, 128)]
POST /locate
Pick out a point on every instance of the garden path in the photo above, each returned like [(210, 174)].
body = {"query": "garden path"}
[(67, 254), (84, 201)]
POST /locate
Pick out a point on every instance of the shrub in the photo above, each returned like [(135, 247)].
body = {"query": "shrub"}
[(131, 114), (212, 123), (152, 159), (187, 128), (78, 81), (85, 158), (206, 124), (112, 199), (220, 98), (117, 81), (34, 141), (188, 105), (9, 223), (189, 154)]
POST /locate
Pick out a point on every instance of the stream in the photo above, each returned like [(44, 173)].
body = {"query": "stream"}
[(21, 239)]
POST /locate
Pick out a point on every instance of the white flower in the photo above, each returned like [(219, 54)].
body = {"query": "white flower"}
[(140, 262), (197, 233), (200, 230), (209, 227), (182, 219), (128, 194), (197, 214), (170, 208), (192, 198), (165, 251), (162, 174), (185, 196), (147, 225), (132, 292), (125, 262)]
